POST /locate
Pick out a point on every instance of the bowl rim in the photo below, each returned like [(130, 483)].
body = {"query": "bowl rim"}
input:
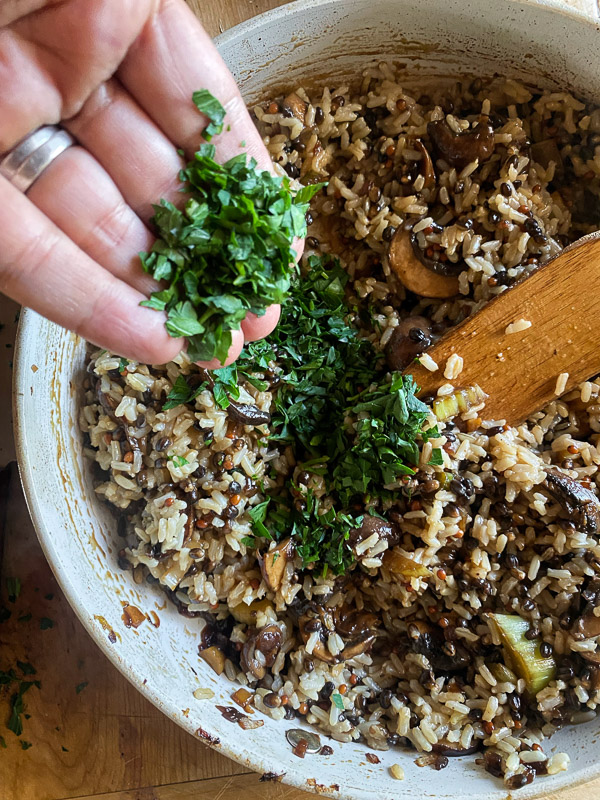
[(21, 375)]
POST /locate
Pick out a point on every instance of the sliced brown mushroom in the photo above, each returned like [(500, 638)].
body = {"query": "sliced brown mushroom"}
[(309, 624), (411, 338), (587, 626), (454, 750), (247, 614), (267, 641), (294, 106), (413, 273), (591, 658), (272, 564), (546, 151), (214, 657), (247, 414), (369, 526), (460, 149), (427, 169), (358, 646), (580, 504), (350, 622)]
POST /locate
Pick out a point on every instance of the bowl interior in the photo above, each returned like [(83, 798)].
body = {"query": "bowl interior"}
[(304, 42)]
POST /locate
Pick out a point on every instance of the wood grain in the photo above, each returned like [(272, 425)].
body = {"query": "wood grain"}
[(518, 371), (113, 738)]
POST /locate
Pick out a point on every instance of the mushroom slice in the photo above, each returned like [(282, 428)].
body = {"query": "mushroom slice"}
[(587, 626), (414, 274), (454, 750), (308, 625), (460, 149), (358, 646), (272, 564), (591, 658), (247, 414), (247, 614), (294, 106), (214, 657), (411, 338), (399, 564), (350, 622), (427, 169), (580, 504), (544, 152), (370, 525), (267, 641)]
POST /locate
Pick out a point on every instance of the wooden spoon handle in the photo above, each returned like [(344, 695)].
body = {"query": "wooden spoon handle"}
[(519, 371)]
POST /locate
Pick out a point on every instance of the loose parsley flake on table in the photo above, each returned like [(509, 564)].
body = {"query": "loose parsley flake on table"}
[(229, 250)]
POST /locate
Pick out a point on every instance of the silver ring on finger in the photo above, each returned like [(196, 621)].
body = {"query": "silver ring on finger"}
[(28, 159)]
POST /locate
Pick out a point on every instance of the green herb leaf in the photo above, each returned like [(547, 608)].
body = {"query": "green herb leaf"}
[(81, 686), (211, 108), (347, 421), (3, 742), (182, 393), (24, 617), (25, 745), (437, 458), (13, 588), (123, 363), (26, 668), (46, 623), (229, 250), (338, 701), (179, 461)]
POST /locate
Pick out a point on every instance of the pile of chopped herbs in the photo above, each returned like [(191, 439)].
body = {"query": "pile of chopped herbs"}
[(228, 251), (346, 418)]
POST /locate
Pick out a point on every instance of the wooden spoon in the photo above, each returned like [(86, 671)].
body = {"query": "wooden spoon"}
[(519, 371)]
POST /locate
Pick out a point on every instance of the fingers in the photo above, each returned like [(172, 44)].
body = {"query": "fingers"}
[(53, 58), (41, 268), (81, 199), (255, 327), (137, 155), (237, 342), (173, 57)]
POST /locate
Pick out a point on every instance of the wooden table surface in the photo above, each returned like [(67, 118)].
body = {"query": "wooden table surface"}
[(92, 734)]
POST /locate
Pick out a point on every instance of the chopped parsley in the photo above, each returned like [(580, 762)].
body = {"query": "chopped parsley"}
[(211, 108), (25, 745), (81, 686), (179, 461), (46, 623), (345, 417), (229, 250), (182, 392), (13, 588), (3, 742), (338, 701), (123, 364), (26, 668), (15, 721)]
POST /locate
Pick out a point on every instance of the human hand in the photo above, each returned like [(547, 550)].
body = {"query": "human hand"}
[(119, 75)]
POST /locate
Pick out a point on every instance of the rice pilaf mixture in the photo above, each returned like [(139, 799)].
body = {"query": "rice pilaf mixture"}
[(459, 612)]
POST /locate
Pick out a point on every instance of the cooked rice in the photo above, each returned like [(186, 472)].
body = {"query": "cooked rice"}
[(483, 524)]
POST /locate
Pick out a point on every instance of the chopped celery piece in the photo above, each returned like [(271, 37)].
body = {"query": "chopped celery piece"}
[(523, 655), (401, 565), (458, 402)]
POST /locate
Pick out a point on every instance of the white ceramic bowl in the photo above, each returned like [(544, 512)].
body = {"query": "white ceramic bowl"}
[(539, 42)]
